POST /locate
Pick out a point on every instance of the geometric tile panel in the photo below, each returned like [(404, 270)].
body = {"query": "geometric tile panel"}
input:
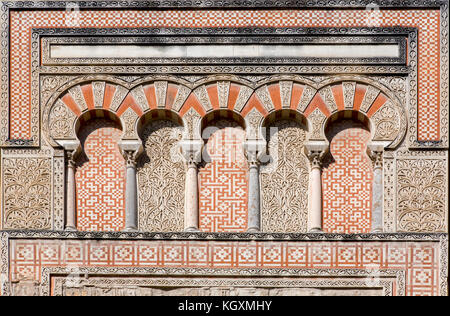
[(347, 180), (100, 178), (427, 22), (223, 181), (419, 261)]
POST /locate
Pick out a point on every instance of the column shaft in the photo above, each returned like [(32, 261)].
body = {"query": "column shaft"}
[(71, 197), (377, 200), (191, 207), (254, 206), (316, 199), (131, 196)]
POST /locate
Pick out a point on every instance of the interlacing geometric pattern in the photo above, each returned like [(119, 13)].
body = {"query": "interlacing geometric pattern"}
[(347, 180), (284, 182), (427, 22), (100, 178), (161, 179), (224, 180), (418, 260)]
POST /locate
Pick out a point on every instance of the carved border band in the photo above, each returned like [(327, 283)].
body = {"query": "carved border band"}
[(262, 277), (441, 238), (219, 36)]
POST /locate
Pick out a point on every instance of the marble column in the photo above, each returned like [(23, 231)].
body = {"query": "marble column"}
[(377, 192), (71, 208), (192, 153), (131, 198), (191, 213), (316, 193), (254, 196)]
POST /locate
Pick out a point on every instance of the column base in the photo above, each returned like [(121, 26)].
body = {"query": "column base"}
[(377, 231), (316, 230), (130, 230), (253, 230), (191, 230), (70, 229)]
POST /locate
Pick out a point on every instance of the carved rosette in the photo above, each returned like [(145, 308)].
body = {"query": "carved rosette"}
[(387, 122)]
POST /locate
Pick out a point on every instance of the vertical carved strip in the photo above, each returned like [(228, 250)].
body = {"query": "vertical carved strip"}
[(161, 93), (307, 95), (118, 98), (98, 88), (78, 97), (349, 94), (264, 96), (182, 95), (139, 96), (369, 98), (286, 93), (328, 97), (203, 98), (244, 95), (223, 90), (389, 195), (58, 192)]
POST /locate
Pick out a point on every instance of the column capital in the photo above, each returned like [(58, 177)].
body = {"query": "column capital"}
[(130, 158), (315, 154), (375, 153), (191, 151), (72, 149), (254, 149), (131, 150)]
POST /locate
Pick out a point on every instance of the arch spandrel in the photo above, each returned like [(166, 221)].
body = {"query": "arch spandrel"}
[(387, 117)]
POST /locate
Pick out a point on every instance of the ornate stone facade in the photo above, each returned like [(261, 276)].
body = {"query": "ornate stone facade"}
[(249, 171)]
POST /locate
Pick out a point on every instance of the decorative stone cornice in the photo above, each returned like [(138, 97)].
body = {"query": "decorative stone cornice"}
[(35, 234), (230, 4)]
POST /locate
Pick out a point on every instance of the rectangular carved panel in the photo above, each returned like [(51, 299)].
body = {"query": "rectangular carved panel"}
[(27, 193), (221, 286), (421, 195)]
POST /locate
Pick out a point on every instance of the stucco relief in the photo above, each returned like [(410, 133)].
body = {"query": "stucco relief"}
[(161, 178), (421, 194), (27, 193), (284, 182)]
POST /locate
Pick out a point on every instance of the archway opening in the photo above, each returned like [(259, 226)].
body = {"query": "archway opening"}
[(347, 175), (100, 173), (223, 175)]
